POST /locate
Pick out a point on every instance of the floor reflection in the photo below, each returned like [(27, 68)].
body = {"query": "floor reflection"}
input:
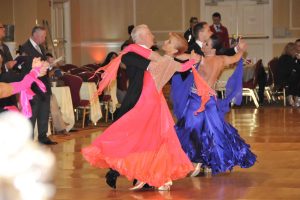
[(273, 134)]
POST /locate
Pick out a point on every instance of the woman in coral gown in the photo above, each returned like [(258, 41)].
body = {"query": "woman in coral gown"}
[(143, 144)]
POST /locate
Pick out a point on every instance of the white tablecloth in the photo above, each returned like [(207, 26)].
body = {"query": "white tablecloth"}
[(64, 100), (112, 91), (87, 91), (222, 80), (248, 74)]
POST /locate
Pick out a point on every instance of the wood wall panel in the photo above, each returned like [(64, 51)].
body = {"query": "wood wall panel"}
[(160, 15), (76, 55), (281, 16), (24, 19), (6, 10), (75, 31), (75, 22), (23, 14), (96, 52), (43, 11), (192, 9), (280, 13), (295, 14), (105, 19)]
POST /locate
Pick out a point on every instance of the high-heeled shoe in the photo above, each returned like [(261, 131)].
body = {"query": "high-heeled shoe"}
[(197, 170), (166, 186), (138, 186), (207, 170)]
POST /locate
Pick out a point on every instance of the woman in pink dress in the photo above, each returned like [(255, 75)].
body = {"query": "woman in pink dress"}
[(142, 144)]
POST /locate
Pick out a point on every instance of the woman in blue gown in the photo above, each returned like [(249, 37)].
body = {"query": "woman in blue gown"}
[(205, 136)]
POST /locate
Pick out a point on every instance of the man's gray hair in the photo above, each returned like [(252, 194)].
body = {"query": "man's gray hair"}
[(136, 32), (37, 28)]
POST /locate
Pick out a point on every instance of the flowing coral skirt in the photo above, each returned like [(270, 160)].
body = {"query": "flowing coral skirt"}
[(143, 143)]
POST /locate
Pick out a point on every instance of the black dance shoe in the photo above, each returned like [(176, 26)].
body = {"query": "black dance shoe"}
[(47, 142), (146, 186), (111, 178)]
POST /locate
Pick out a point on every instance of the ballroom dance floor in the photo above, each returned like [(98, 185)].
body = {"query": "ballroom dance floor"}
[(272, 132)]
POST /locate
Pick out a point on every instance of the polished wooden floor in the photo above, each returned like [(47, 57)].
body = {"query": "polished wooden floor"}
[(272, 132)]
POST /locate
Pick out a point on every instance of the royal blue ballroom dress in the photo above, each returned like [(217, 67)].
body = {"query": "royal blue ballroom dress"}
[(206, 137)]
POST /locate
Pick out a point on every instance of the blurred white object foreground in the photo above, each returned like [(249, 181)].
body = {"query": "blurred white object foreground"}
[(26, 169)]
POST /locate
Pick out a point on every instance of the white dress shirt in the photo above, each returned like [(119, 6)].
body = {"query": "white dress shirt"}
[(144, 46), (200, 44), (36, 46)]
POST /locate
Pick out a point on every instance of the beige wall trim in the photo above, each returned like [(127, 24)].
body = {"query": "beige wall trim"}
[(98, 44), (168, 31), (283, 40), (106, 44)]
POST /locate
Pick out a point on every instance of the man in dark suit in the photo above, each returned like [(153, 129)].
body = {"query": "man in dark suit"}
[(6, 75), (40, 103), (188, 35), (135, 68), (220, 30), (202, 33), (7, 62)]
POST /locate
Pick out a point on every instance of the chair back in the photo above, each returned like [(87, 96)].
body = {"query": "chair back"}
[(88, 68), (93, 66), (252, 83), (67, 67), (258, 66), (74, 82), (78, 70), (273, 66), (85, 76)]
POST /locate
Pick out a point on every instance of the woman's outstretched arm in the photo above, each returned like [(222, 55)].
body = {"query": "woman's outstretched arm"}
[(6, 90), (235, 58)]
